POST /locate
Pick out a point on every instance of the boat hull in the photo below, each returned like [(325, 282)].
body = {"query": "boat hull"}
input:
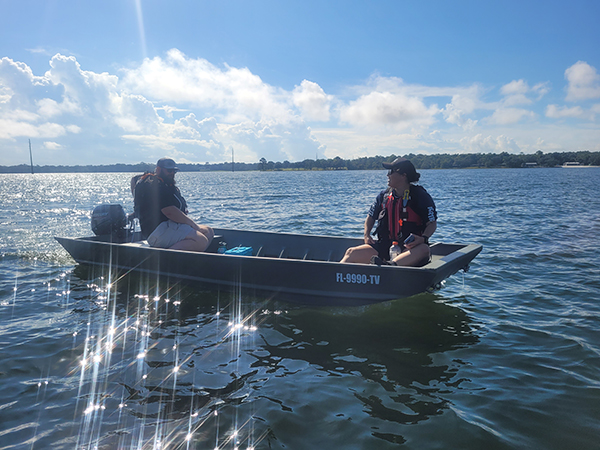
[(298, 268)]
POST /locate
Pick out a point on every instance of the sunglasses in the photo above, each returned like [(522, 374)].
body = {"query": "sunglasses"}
[(391, 171)]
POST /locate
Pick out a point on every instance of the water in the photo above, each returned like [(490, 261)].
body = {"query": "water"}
[(506, 356)]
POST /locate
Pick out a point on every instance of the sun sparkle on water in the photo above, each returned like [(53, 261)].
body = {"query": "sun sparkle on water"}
[(111, 344)]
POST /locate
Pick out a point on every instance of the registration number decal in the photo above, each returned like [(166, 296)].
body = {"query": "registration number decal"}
[(356, 278)]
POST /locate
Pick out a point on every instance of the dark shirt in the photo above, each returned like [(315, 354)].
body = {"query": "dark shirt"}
[(151, 195), (420, 208)]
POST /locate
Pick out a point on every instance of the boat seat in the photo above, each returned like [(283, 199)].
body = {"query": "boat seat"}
[(306, 254)]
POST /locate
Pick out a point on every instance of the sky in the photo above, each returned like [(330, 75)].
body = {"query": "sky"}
[(129, 81)]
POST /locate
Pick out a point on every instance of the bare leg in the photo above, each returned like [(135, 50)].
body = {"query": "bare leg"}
[(361, 254), (195, 241), (207, 231), (413, 257)]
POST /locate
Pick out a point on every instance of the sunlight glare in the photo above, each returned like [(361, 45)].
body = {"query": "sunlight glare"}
[(140, 21)]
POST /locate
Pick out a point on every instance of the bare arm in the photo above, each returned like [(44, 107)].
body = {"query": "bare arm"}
[(369, 222), (176, 215), (428, 231)]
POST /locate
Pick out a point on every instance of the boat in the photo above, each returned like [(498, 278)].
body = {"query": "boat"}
[(577, 165), (297, 268)]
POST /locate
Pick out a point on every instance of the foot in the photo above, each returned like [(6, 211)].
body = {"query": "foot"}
[(380, 262)]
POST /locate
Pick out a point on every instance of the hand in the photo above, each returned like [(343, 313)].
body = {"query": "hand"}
[(369, 239), (418, 240)]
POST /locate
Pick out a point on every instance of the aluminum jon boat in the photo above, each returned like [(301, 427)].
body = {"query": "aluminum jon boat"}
[(284, 266)]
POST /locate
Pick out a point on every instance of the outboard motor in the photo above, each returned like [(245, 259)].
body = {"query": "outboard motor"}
[(109, 219)]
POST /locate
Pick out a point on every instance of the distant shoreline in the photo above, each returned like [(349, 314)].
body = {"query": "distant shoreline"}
[(4, 171), (421, 162)]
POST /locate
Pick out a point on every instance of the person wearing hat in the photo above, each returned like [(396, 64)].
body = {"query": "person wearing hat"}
[(162, 212), (405, 213)]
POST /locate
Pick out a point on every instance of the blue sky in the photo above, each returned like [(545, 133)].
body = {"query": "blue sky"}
[(133, 80)]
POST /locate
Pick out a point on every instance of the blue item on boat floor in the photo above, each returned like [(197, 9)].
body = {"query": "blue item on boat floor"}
[(243, 251)]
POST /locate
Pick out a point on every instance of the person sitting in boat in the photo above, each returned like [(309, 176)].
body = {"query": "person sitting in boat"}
[(404, 213), (135, 179), (133, 183), (162, 212)]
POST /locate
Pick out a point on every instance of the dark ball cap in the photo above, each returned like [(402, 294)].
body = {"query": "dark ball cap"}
[(167, 163), (402, 165)]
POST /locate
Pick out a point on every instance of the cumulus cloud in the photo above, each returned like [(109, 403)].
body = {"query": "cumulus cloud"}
[(515, 93), (489, 144), (118, 114), (388, 109), (518, 92), (234, 94), (196, 111), (583, 82), (275, 141), (63, 101), (515, 87), (462, 105), (507, 116), (312, 101)]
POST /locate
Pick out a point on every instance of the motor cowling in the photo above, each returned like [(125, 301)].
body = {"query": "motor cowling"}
[(109, 219)]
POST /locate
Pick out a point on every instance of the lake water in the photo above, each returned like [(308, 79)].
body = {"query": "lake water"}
[(506, 356)]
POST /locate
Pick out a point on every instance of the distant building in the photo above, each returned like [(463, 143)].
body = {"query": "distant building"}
[(530, 164)]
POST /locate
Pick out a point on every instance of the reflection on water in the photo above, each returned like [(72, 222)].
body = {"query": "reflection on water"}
[(162, 365), (390, 344), (165, 369), (102, 363)]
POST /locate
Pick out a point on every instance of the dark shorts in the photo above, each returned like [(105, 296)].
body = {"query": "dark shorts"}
[(383, 249)]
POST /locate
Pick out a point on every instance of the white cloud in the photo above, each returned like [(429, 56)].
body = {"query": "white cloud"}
[(234, 94), (507, 116), (196, 111), (464, 103), (541, 89), (117, 114), (558, 112), (52, 145), (541, 144), (49, 108), (515, 87), (518, 92), (489, 144), (275, 141), (133, 113), (382, 109), (515, 93), (456, 111), (312, 101), (583, 82)]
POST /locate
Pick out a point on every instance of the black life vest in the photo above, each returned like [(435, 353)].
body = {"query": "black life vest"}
[(138, 195), (147, 201)]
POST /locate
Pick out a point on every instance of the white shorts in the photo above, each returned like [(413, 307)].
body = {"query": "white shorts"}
[(168, 233)]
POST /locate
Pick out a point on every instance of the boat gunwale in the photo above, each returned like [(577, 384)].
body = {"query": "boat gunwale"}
[(434, 266), (350, 284)]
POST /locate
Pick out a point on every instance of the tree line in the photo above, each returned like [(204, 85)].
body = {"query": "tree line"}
[(437, 161)]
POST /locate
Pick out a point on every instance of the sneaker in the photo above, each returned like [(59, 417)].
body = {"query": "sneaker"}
[(380, 262)]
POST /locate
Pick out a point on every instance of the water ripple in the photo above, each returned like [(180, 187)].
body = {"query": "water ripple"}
[(506, 356)]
